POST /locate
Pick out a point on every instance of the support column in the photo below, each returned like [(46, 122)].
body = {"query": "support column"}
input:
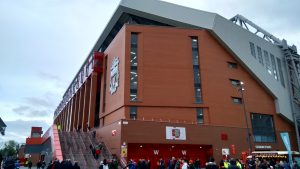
[(64, 119), (80, 109), (67, 115), (72, 112), (76, 110), (92, 105), (86, 103)]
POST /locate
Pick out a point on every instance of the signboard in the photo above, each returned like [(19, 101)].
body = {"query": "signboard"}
[(175, 133), (286, 140), (225, 151), (263, 147), (123, 151), (113, 132), (114, 76)]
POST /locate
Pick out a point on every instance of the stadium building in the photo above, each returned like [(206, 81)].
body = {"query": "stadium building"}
[(165, 80)]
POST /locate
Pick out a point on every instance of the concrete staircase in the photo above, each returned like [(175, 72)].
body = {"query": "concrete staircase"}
[(76, 147)]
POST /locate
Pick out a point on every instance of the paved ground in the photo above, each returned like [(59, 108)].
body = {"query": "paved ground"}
[(27, 167)]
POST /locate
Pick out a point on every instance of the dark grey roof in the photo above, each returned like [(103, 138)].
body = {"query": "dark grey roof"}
[(2, 124)]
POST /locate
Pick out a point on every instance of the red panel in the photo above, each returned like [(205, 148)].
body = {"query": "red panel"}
[(34, 141), (98, 62), (224, 136), (154, 152)]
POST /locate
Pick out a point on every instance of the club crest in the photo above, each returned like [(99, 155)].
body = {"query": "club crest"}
[(114, 75)]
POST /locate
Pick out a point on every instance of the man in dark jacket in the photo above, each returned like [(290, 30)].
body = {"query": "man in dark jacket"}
[(211, 164), (233, 164)]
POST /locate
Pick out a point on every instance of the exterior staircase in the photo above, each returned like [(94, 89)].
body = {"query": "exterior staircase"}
[(76, 147)]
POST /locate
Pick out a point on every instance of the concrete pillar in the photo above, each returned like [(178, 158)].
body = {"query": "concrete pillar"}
[(69, 115), (76, 110), (72, 112), (64, 118), (92, 105), (87, 86), (80, 109)]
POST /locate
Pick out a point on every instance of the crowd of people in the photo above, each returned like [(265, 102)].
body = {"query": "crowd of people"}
[(232, 163), (271, 164)]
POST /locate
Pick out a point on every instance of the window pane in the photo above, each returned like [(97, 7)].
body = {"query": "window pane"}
[(235, 82), (200, 118), (133, 112), (274, 66), (268, 64), (133, 67), (263, 128), (232, 65), (237, 100), (259, 54), (196, 70), (252, 49), (280, 72)]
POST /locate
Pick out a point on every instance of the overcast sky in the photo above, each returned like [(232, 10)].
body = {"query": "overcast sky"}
[(43, 43)]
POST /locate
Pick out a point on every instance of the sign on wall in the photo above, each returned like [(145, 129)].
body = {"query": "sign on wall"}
[(225, 151), (114, 75), (175, 133)]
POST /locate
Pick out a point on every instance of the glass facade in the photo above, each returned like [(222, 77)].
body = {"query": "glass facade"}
[(263, 128), (200, 118), (133, 67), (196, 70)]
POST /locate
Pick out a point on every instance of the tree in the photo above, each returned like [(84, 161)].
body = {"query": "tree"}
[(9, 149)]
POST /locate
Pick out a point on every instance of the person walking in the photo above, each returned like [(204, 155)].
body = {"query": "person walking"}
[(104, 165), (29, 164), (76, 166), (233, 164), (211, 164)]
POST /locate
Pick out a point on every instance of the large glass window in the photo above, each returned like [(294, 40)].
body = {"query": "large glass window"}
[(280, 72), (274, 66), (200, 118), (259, 54), (196, 70), (133, 67), (263, 128), (133, 112), (268, 64), (252, 49)]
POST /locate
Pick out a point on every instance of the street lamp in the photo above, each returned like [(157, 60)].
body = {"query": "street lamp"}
[(241, 90)]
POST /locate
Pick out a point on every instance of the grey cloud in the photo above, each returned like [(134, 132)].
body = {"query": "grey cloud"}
[(49, 76), (32, 111), (35, 101), (39, 113), (21, 109)]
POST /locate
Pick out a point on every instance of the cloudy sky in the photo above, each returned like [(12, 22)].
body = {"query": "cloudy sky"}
[(44, 42)]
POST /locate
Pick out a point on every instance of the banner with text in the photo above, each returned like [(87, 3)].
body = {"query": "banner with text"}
[(175, 133)]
